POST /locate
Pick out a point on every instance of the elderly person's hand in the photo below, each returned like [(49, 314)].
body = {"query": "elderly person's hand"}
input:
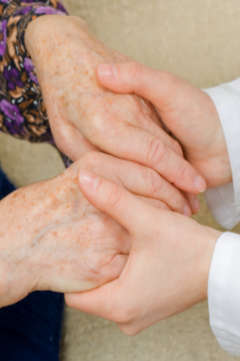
[(84, 116), (53, 239), (167, 269), (188, 112)]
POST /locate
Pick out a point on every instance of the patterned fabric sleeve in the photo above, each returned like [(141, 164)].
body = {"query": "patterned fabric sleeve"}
[(22, 111)]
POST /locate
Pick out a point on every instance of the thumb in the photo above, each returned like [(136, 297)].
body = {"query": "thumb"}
[(113, 199), (153, 85), (100, 301)]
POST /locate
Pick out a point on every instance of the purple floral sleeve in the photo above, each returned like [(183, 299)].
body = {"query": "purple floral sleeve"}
[(22, 111)]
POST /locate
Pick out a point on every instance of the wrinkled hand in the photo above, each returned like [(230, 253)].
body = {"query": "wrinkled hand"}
[(85, 116), (167, 269), (53, 239), (188, 112)]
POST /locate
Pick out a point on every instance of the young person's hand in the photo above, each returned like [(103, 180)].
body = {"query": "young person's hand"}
[(167, 269), (52, 239), (188, 112), (84, 116)]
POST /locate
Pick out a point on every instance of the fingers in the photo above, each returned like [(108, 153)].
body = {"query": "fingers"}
[(154, 203), (157, 130), (114, 200), (170, 165), (149, 150), (136, 78), (71, 142), (149, 120), (138, 179), (67, 137), (148, 183)]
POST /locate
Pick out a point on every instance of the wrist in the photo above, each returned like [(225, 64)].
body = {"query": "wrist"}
[(25, 217), (17, 273), (51, 42), (60, 46), (47, 33), (209, 239)]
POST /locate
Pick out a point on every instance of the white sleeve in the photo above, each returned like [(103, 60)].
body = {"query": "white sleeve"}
[(224, 201), (224, 292)]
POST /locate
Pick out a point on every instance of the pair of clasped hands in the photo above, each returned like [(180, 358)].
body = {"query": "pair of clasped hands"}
[(117, 238)]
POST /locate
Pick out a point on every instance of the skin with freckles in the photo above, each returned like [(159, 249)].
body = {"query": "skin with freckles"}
[(52, 238), (85, 116)]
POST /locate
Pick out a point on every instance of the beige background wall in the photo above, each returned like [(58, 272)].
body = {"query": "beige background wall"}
[(198, 40)]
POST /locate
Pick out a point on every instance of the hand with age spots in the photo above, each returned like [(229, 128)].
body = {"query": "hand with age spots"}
[(84, 116), (52, 238)]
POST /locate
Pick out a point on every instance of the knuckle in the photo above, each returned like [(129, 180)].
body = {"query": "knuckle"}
[(156, 152), (182, 171), (97, 127), (103, 128), (91, 159), (98, 123), (114, 194), (153, 181)]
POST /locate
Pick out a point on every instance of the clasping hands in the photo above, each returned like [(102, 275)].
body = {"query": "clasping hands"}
[(167, 269), (170, 255), (84, 116), (188, 112), (53, 239)]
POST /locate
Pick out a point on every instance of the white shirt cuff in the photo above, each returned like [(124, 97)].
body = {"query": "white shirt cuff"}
[(224, 292), (224, 201), (221, 202)]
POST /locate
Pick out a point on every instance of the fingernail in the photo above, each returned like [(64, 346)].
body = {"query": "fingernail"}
[(87, 179), (106, 70), (200, 184), (187, 211)]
